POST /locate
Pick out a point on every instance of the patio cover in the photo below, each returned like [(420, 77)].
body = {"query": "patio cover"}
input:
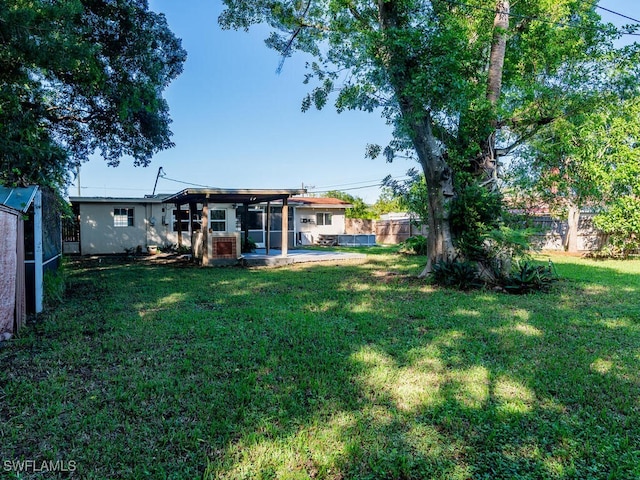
[(224, 195), (205, 196)]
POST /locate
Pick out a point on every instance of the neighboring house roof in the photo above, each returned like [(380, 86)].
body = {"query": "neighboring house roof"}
[(154, 199), (320, 202), (18, 198)]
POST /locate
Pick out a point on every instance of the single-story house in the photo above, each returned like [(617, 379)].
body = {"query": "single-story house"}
[(115, 225)]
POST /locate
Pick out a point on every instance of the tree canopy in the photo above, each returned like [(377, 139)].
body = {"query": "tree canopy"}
[(464, 83), (589, 161), (80, 76), (359, 208)]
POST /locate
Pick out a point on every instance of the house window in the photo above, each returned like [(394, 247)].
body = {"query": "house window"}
[(123, 217), (183, 217), (323, 218), (218, 220), (276, 219)]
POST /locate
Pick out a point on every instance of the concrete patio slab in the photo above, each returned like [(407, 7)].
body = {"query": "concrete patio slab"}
[(275, 258)]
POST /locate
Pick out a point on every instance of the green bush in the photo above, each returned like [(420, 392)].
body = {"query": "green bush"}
[(416, 245), (528, 277), (248, 246), (474, 213), (621, 221), (456, 274)]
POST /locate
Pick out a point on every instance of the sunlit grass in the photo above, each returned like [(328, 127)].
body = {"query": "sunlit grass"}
[(331, 371)]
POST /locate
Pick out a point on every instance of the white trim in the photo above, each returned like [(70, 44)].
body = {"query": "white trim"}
[(51, 259), (37, 252)]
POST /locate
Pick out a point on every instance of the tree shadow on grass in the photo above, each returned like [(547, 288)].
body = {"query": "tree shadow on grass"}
[(326, 372)]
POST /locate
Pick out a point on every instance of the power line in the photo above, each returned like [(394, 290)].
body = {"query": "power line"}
[(84, 187), (164, 177), (618, 14), (551, 22), (352, 183), (378, 184)]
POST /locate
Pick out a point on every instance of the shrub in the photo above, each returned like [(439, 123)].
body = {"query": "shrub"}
[(528, 277), (621, 221), (248, 246), (474, 213), (456, 274), (416, 245)]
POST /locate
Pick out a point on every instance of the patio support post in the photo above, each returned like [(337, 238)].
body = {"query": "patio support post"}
[(267, 241), (179, 225), (205, 231), (193, 208), (245, 214), (285, 227)]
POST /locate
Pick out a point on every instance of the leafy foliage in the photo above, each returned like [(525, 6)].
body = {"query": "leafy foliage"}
[(412, 194), (529, 277), (248, 245), (359, 209), (621, 221), (387, 202), (475, 212), (80, 76), (416, 245), (429, 68), (461, 275)]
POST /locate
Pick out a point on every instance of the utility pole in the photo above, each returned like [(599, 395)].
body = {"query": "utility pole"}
[(155, 184)]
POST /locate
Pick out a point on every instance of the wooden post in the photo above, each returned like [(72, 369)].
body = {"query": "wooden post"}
[(267, 241), (179, 220), (245, 214), (205, 231), (285, 227)]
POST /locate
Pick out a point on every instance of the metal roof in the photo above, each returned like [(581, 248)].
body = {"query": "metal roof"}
[(154, 199), (18, 198), (222, 195)]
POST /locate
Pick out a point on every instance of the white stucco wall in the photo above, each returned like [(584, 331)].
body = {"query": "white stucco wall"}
[(305, 219), (153, 225), (98, 235)]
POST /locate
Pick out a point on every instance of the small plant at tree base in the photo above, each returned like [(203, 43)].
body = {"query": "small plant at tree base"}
[(416, 245), (529, 277), (456, 274), (248, 245)]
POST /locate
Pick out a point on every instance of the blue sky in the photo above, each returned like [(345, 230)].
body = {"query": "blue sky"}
[(238, 124)]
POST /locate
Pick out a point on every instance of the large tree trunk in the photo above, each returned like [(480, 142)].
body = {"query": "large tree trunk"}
[(498, 49), (438, 177), (417, 121), (573, 220), (489, 162)]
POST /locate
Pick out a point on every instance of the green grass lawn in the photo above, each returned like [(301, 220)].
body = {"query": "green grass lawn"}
[(331, 371)]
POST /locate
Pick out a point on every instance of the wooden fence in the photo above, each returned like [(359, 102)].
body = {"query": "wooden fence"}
[(553, 233), (551, 236), (386, 231)]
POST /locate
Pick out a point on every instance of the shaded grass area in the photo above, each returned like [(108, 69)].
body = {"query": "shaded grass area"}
[(329, 371)]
